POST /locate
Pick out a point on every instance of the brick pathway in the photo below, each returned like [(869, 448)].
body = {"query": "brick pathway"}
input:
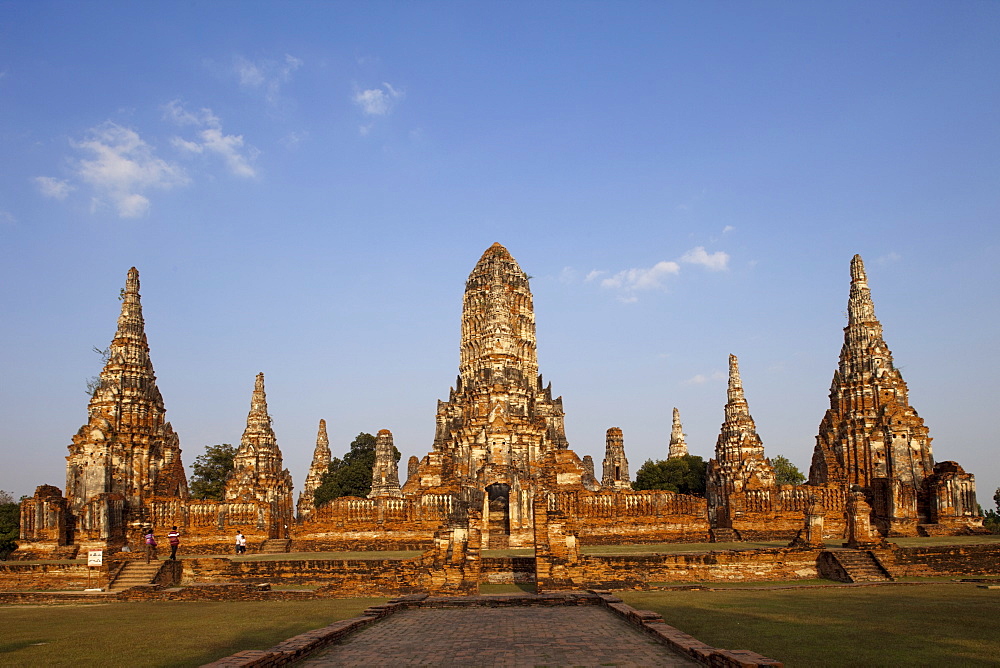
[(519, 636)]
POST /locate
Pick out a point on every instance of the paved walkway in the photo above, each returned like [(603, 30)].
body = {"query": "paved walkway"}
[(517, 636)]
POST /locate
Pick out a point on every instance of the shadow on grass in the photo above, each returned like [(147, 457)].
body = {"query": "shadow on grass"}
[(6, 648)]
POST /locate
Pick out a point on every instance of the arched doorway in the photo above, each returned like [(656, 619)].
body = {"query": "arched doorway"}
[(498, 495)]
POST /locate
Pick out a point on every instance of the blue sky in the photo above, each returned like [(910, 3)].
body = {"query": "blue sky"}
[(304, 188)]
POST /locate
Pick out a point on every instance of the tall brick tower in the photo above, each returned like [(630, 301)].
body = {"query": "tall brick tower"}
[(257, 473), (739, 464), (127, 453), (678, 445), (872, 437), (615, 465), (501, 433), (320, 464), (385, 471)]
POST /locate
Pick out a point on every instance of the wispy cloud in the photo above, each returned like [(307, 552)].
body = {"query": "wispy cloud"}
[(266, 75), (7, 218), (642, 279), (52, 187), (122, 167), (717, 261), (629, 282), (210, 139), (376, 103)]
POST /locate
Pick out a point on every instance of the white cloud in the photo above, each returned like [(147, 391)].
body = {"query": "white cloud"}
[(266, 75), (717, 261), (631, 281), (51, 187), (7, 218), (728, 228), (210, 139), (123, 167), (891, 258), (377, 101), (642, 279)]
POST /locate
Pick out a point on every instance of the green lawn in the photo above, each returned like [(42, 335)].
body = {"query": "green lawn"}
[(158, 633), (923, 625)]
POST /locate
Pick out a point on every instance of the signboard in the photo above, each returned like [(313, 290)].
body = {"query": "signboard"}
[(95, 557)]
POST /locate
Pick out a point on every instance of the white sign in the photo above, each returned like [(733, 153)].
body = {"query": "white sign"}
[(95, 557)]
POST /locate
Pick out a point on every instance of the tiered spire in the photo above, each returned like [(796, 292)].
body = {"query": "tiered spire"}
[(127, 447), (678, 446), (615, 465), (257, 473), (320, 465), (385, 473), (739, 453), (870, 430)]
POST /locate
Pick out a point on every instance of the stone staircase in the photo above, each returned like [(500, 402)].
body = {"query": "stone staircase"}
[(134, 574), (860, 566), (721, 535), (275, 546)]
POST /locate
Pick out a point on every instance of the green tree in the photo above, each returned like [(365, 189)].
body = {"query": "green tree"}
[(684, 475), (210, 471), (352, 475), (785, 472), (10, 524), (991, 518)]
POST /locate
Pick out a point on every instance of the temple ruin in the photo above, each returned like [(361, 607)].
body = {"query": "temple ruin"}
[(500, 472)]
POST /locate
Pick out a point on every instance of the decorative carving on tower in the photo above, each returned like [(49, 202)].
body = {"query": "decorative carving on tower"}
[(678, 446), (320, 465), (871, 436), (127, 453), (739, 464), (385, 474), (257, 473), (615, 466)]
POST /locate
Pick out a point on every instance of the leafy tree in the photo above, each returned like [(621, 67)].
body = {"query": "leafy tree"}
[(10, 524), (352, 475), (685, 475), (210, 471), (991, 518), (785, 472)]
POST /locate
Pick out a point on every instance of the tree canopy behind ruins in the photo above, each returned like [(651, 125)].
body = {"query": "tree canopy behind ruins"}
[(211, 470), (352, 475), (684, 475)]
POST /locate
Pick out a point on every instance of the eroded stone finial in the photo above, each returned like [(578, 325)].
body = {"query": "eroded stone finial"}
[(615, 464), (320, 465), (385, 474), (678, 446), (860, 308)]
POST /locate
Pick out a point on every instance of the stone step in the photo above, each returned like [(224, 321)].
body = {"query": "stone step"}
[(861, 566), (135, 573), (275, 546)]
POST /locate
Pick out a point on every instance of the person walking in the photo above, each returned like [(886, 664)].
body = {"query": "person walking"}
[(174, 537), (241, 543), (150, 545)]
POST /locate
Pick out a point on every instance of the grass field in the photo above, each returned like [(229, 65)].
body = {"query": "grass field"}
[(161, 633), (947, 624)]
